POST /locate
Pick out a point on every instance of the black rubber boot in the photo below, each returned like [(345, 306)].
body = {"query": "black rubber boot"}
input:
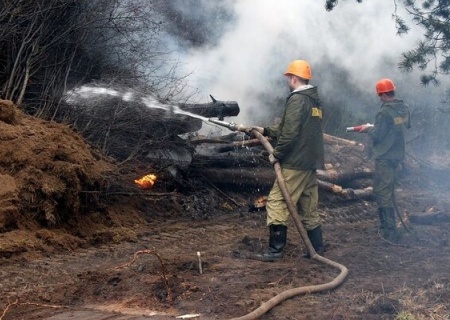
[(315, 236), (382, 220), (391, 225), (277, 242), (388, 225)]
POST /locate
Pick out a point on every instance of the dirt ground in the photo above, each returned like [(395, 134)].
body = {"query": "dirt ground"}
[(166, 254)]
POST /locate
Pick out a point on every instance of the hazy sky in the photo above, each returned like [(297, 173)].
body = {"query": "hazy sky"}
[(349, 49)]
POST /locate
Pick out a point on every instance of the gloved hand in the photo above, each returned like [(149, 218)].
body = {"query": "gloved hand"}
[(249, 129), (272, 159), (242, 128), (258, 129), (366, 128)]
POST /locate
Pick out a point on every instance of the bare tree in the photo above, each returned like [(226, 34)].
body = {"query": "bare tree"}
[(38, 45), (50, 45)]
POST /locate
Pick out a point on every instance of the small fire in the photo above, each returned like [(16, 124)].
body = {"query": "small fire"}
[(146, 181), (259, 204)]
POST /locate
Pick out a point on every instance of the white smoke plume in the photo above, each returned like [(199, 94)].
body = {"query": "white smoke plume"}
[(349, 49)]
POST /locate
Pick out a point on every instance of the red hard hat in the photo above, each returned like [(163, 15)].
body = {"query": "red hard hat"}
[(385, 85)]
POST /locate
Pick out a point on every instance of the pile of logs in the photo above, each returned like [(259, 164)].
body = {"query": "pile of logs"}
[(236, 161), (127, 128)]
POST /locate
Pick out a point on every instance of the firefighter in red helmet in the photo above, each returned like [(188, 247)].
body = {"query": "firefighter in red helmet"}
[(388, 142)]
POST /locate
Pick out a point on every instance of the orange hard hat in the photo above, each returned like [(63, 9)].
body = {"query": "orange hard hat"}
[(299, 68), (385, 85)]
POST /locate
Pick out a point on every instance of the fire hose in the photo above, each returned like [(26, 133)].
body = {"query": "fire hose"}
[(337, 281)]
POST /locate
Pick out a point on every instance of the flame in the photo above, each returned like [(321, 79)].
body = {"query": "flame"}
[(146, 181), (259, 204)]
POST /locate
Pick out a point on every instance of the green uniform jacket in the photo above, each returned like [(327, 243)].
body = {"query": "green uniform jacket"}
[(388, 134), (299, 135)]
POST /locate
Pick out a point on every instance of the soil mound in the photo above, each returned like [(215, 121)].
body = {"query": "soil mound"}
[(49, 176)]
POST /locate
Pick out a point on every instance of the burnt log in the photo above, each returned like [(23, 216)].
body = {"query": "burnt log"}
[(240, 177), (263, 178), (233, 140), (244, 164), (201, 162), (339, 152), (225, 146), (345, 160), (343, 142), (236, 145), (216, 108), (248, 161), (430, 217), (344, 175), (345, 193)]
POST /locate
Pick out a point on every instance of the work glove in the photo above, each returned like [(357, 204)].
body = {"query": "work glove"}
[(272, 159), (366, 128), (242, 128), (258, 129), (249, 129)]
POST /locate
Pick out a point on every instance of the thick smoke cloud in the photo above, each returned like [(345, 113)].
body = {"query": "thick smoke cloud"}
[(349, 49)]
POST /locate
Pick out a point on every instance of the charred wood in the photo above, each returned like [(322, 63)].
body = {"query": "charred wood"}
[(215, 108), (341, 141), (263, 178), (221, 161), (345, 193), (344, 175), (244, 164), (240, 177), (239, 145), (232, 139), (428, 218), (218, 162)]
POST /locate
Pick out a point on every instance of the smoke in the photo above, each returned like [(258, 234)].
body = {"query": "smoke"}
[(244, 46)]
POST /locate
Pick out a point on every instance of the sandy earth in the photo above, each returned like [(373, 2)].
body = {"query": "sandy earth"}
[(134, 255)]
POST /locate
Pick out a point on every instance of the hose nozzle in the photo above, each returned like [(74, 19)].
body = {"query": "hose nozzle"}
[(359, 128), (230, 125)]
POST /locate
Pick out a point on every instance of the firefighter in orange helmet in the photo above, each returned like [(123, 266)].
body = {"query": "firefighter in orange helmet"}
[(388, 141), (299, 150)]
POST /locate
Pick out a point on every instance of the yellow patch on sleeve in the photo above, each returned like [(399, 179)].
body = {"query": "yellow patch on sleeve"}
[(316, 112), (399, 120)]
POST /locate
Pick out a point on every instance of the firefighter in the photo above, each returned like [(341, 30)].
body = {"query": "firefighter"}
[(300, 152), (388, 148)]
